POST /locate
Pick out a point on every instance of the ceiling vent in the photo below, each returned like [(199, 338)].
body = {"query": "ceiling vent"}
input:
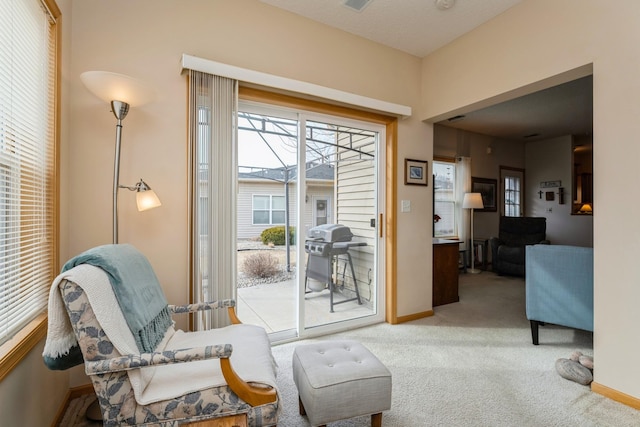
[(357, 5), (444, 4)]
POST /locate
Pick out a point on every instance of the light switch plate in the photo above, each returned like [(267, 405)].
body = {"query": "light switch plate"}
[(406, 206)]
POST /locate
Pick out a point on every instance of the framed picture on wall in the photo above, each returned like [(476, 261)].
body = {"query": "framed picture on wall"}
[(415, 172), (487, 187)]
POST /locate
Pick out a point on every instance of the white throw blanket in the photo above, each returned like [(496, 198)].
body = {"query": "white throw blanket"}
[(60, 336), (154, 384)]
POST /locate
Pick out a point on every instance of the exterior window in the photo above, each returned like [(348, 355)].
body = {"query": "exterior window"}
[(27, 160), (512, 196), (277, 209), (444, 199), (268, 210)]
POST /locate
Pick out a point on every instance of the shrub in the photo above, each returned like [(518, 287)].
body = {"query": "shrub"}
[(275, 235), (261, 264)]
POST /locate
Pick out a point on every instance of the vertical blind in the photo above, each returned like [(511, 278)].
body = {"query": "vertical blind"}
[(27, 161), (213, 106)]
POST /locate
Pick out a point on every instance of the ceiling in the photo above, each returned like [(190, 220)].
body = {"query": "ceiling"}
[(566, 109), (419, 27)]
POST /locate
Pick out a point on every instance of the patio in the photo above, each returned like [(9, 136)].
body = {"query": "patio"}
[(273, 306)]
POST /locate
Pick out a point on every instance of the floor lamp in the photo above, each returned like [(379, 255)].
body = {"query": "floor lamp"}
[(122, 92), (472, 201)]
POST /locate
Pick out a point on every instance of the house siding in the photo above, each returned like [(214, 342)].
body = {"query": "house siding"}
[(355, 208), (248, 188)]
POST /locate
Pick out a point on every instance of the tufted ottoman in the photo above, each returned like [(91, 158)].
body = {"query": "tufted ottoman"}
[(338, 380)]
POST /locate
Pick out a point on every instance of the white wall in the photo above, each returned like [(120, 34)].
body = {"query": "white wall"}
[(550, 160), (535, 41)]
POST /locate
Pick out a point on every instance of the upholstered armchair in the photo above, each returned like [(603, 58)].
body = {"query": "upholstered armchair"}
[(559, 287), (514, 234), (149, 373)]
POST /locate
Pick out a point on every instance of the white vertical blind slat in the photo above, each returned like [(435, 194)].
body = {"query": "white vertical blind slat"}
[(213, 115)]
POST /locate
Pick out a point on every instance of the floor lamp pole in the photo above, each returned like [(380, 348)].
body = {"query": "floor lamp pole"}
[(472, 201), (471, 251), (120, 110)]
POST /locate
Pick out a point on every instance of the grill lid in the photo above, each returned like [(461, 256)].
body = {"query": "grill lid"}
[(331, 233)]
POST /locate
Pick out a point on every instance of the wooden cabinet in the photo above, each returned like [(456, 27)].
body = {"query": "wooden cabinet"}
[(445, 271)]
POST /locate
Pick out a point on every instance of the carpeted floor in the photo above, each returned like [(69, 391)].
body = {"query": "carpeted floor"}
[(471, 364)]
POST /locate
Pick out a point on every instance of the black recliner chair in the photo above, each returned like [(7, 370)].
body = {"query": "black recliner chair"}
[(508, 249)]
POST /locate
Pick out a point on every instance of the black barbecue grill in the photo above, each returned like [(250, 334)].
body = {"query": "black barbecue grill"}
[(326, 244)]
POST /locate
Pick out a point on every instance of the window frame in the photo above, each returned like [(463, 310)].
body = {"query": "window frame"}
[(519, 174), (15, 349), (515, 193), (453, 201), (270, 209)]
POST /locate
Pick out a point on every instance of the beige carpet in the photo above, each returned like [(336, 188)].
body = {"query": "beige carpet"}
[(471, 364)]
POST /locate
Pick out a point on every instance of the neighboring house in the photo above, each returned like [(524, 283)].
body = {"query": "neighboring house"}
[(261, 199), (261, 205)]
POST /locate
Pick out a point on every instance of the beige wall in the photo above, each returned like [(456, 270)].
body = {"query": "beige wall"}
[(146, 39), (149, 40), (450, 142), (550, 160), (534, 41), (31, 394)]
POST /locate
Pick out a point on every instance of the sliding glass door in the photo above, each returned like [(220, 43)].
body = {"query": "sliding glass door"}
[(307, 221)]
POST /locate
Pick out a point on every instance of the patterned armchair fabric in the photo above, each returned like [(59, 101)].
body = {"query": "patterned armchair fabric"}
[(508, 249), (108, 369)]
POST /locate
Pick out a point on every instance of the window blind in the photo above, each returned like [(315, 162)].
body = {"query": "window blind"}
[(213, 106), (27, 161)]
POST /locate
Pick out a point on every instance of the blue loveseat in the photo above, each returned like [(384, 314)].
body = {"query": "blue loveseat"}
[(559, 287)]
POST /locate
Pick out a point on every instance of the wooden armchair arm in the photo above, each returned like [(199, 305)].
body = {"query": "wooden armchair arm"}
[(253, 395), (213, 305)]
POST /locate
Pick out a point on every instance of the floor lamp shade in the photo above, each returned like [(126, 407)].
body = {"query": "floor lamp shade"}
[(110, 86), (472, 201)]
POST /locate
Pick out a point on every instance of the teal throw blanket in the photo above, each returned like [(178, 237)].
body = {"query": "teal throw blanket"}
[(136, 288)]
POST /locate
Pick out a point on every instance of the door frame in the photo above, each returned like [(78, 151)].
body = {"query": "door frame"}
[(388, 223), (314, 210)]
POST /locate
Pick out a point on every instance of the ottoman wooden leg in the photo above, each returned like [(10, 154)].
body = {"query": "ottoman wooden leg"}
[(301, 406), (376, 420)]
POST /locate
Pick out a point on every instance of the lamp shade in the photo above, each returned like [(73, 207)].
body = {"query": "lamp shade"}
[(147, 200), (472, 201), (586, 208), (110, 86)]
